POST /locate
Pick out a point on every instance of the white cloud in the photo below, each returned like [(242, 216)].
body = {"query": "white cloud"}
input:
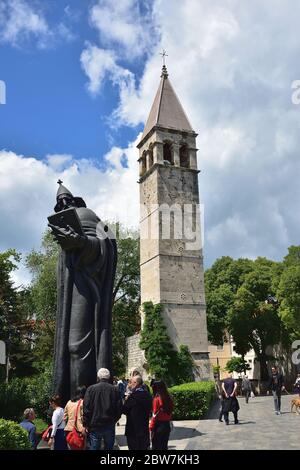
[(20, 21), (232, 66), (27, 196), (126, 25), (100, 63), (59, 162)]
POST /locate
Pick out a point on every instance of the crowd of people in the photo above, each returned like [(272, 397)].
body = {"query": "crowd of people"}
[(88, 420)]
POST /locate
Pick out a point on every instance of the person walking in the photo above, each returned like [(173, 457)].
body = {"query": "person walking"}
[(73, 413), (102, 408), (29, 426), (220, 393), (57, 440), (276, 386), (162, 407), (297, 384), (231, 403), (246, 388), (137, 408)]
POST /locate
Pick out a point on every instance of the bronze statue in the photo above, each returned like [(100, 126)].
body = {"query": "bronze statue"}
[(85, 278)]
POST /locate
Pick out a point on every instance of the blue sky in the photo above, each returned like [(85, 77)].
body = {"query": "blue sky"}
[(81, 77), (49, 109)]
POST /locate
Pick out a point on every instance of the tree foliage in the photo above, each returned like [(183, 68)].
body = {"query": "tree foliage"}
[(237, 364), (164, 362), (15, 317), (237, 293)]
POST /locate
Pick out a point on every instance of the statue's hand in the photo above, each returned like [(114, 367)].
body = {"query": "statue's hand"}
[(67, 237)]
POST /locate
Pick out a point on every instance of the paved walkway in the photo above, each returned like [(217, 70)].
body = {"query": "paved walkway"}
[(180, 436), (260, 428)]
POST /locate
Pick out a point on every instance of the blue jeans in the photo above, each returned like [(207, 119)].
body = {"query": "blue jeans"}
[(107, 433)]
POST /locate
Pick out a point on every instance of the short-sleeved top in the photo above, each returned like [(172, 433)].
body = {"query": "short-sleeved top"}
[(229, 385)]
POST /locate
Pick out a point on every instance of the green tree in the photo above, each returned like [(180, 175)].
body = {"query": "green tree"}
[(288, 293), (43, 297), (222, 281), (237, 364), (126, 297), (15, 325), (253, 323), (218, 302)]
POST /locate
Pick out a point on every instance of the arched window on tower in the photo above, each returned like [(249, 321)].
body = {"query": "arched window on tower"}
[(143, 164), (167, 153), (184, 156), (150, 157)]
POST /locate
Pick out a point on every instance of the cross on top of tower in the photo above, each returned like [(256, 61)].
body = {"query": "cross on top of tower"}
[(164, 72), (163, 54), (59, 181)]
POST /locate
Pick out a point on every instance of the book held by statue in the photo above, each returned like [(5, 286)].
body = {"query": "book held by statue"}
[(67, 217)]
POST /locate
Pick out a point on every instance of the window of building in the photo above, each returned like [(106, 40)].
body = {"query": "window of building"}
[(150, 157), (143, 164), (184, 156), (167, 152)]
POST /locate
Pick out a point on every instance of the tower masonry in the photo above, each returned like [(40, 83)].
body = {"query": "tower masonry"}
[(170, 227)]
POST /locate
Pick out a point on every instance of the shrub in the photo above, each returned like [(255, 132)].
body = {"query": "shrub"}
[(13, 399), (39, 389), (192, 400), (12, 436), (27, 392)]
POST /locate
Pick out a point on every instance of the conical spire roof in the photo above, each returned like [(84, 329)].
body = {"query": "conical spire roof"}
[(166, 109)]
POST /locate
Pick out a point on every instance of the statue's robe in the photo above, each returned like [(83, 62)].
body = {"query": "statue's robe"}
[(84, 309)]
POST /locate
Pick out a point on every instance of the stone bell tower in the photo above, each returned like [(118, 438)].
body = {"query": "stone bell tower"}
[(171, 248)]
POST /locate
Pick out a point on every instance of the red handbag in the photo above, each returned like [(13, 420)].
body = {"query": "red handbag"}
[(74, 438), (47, 434)]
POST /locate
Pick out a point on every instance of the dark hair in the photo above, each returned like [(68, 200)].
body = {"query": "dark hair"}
[(56, 400), (159, 388), (79, 393)]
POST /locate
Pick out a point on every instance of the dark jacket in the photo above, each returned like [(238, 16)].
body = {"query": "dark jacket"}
[(102, 405), (276, 382), (137, 408)]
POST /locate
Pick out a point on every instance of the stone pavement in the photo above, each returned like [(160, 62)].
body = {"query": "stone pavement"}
[(260, 428), (182, 432)]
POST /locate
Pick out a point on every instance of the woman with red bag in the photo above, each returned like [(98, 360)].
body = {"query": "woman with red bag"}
[(57, 440), (73, 415), (160, 424)]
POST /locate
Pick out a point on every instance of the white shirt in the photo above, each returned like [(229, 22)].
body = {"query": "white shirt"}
[(57, 420)]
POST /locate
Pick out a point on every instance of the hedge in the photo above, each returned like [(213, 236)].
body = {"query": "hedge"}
[(12, 436), (192, 400), (27, 392)]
